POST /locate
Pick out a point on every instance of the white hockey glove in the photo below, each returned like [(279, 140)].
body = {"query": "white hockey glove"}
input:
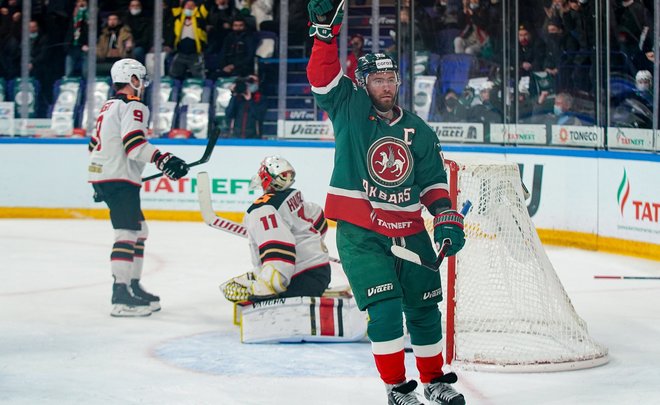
[(236, 289), (268, 282)]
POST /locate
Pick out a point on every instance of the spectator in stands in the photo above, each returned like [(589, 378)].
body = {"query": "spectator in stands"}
[(487, 112), (563, 110), (114, 43), (473, 40), (531, 51), (578, 23), (39, 64), (450, 109), (237, 58), (218, 27), (554, 47), (644, 87), (76, 56), (10, 40), (189, 40), (632, 24), (246, 110), (356, 45), (142, 29)]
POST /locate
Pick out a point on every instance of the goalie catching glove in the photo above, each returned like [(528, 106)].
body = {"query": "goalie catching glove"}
[(170, 165), (448, 225), (264, 283), (325, 18)]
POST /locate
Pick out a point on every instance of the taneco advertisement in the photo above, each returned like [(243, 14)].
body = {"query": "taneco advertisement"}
[(607, 199)]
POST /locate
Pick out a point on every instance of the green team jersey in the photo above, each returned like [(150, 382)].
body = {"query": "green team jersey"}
[(383, 171)]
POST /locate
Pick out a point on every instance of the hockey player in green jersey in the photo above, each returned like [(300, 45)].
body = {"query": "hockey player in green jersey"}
[(387, 165)]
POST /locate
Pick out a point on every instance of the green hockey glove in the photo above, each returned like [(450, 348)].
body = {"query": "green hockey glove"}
[(325, 18), (449, 225)]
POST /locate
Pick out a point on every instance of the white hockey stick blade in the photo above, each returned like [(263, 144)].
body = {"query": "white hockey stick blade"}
[(209, 215), (406, 254)]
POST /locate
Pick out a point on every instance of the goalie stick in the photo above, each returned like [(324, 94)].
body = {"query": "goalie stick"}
[(409, 255), (212, 219), (205, 156)]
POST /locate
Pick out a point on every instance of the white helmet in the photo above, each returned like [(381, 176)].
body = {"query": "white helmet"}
[(275, 173), (124, 69)]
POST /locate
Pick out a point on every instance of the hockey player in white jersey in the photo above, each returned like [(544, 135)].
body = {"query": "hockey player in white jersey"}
[(286, 237), (119, 152)]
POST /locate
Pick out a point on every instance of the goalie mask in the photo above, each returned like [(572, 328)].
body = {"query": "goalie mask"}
[(275, 174), (123, 70), (375, 63)]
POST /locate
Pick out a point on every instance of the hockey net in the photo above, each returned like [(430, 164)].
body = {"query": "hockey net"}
[(506, 308)]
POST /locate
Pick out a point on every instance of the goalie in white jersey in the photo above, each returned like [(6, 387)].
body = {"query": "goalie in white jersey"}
[(286, 236), (118, 153)]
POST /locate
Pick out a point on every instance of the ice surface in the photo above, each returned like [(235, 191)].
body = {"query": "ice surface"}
[(59, 345)]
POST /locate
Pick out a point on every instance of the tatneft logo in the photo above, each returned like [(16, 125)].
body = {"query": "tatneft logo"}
[(371, 291), (645, 211), (187, 185), (622, 139)]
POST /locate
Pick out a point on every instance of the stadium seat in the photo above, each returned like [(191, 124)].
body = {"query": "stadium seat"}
[(455, 71), (67, 93), (17, 96)]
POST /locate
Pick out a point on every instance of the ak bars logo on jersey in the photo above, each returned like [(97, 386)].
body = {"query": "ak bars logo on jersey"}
[(390, 162)]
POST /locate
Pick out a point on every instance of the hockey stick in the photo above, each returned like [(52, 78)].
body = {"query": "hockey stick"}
[(205, 157), (627, 277), (409, 255), (212, 219)]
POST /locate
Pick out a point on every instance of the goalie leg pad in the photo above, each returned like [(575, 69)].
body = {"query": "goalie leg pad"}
[(302, 319)]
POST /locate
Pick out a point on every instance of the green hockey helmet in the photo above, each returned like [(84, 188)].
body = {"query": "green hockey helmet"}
[(374, 63)]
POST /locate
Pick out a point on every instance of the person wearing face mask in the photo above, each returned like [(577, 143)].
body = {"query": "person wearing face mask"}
[(563, 110), (555, 45), (189, 40), (450, 109), (238, 49), (356, 45), (644, 87), (246, 110), (142, 29)]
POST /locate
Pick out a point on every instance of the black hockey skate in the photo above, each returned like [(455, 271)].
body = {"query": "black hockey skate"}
[(127, 305), (440, 392), (153, 300), (404, 394)]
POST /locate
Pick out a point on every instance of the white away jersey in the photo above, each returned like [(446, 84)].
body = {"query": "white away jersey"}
[(287, 232), (119, 149)]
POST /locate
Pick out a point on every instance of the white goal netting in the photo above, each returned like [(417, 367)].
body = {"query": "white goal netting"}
[(511, 310)]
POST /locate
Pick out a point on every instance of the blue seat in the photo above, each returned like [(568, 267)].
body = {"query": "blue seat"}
[(454, 71)]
